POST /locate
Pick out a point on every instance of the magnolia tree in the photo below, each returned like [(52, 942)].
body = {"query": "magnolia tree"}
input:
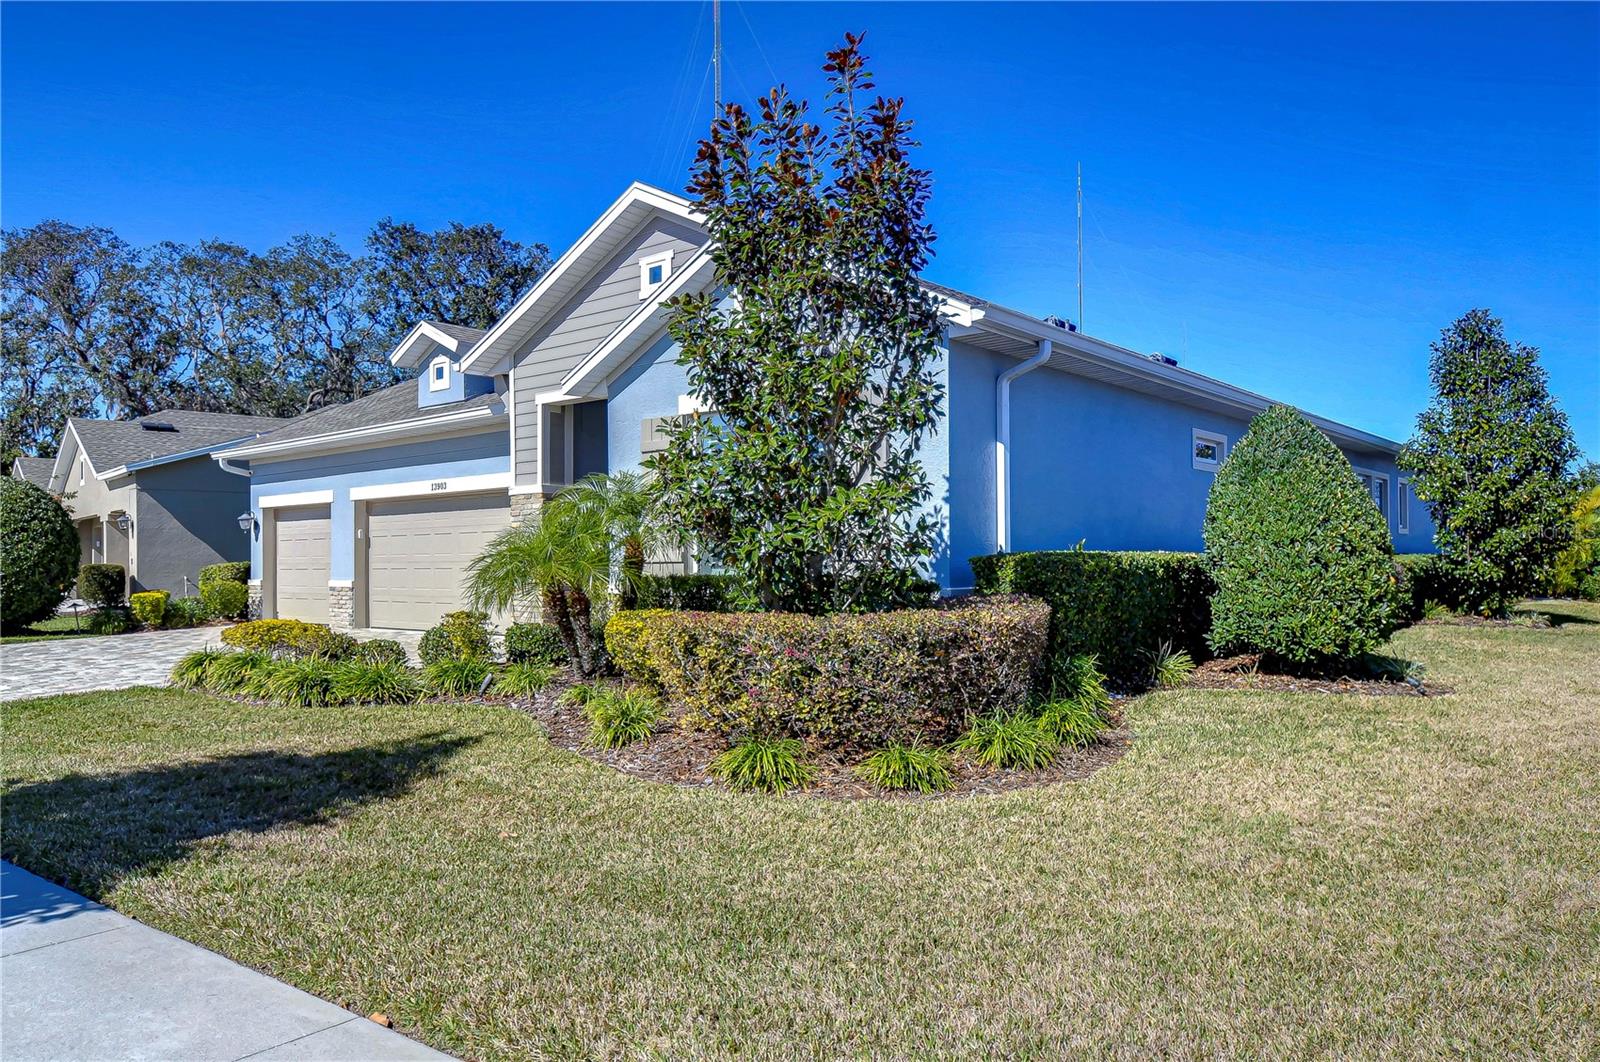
[(817, 354), (1490, 458)]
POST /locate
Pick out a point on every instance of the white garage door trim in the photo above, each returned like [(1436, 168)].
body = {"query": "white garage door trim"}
[(433, 487), (300, 588), (417, 553)]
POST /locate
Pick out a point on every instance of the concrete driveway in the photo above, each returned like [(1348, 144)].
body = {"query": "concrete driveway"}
[(79, 981), (108, 662)]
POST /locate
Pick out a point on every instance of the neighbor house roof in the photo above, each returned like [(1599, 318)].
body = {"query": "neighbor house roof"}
[(118, 446), (391, 411), (35, 470)]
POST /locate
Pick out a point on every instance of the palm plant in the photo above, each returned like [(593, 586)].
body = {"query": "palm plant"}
[(628, 508), (563, 557)]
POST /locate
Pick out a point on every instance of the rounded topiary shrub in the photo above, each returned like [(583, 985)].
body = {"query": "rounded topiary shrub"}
[(1302, 561), (103, 585), (38, 553)]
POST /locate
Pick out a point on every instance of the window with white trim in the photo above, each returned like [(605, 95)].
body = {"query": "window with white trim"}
[(439, 373), (1402, 506), (1208, 449), (1377, 488), (653, 272)]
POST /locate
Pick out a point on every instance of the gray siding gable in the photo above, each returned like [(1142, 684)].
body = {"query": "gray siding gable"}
[(589, 316)]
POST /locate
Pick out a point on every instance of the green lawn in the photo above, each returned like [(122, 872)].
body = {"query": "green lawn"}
[(1261, 874), (54, 627)]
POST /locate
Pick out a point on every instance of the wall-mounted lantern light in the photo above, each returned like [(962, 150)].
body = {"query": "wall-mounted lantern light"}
[(247, 521), (124, 521)]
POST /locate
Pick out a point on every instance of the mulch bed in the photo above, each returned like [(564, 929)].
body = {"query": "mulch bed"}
[(1243, 673), (679, 756)]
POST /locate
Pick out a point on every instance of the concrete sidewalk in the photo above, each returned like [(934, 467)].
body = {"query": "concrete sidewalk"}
[(79, 981)]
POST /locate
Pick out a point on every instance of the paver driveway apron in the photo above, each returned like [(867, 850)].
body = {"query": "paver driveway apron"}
[(73, 665)]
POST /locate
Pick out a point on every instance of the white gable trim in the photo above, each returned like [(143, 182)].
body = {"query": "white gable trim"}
[(420, 342), (623, 345), (640, 202), (73, 446)]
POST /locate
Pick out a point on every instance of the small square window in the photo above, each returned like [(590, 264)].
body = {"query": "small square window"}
[(1208, 450), (653, 272), (439, 373)]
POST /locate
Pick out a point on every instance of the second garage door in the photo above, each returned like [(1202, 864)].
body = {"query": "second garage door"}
[(302, 564), (417, 554)]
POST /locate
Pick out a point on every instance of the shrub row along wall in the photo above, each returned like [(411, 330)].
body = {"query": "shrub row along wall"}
[(1119, 606), (867, 680)]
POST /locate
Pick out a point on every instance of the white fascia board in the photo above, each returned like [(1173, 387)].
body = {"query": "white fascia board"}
[(614, 354), (1185, 381), (637, 194), (358, 437), (486, 481), (419, 343), (70, 444), (299, 497)]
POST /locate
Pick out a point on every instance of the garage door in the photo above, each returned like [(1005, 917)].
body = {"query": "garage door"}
[(301, 577), (417, 554)]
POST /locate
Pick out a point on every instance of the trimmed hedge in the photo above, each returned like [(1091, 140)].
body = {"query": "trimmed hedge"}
[(38, 552), (867, 679), (149, 607), (690, 593), (224, 598), (102, 584), (292, 638), (1301, 557), (535, 643), (458, 636), (226, 572), (1116, 606)]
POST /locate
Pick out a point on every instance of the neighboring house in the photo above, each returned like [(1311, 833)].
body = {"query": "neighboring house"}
[(145, 493), (35, 470), (367, 514)]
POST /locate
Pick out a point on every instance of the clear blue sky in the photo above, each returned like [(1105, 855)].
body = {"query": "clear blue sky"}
[(1295, 199)]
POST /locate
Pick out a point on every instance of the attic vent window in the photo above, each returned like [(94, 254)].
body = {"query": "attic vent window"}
[(439, 373), (157, 425), (653, 272)]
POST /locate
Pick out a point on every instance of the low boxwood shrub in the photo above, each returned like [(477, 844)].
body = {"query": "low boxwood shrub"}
[(908, 767), (226, 572), (1301, 557), (458, 636), (102, 585), (620, 717), (224, 600), (184, 612), (690, 593), (375, 682), (867, 679), (1009, 739), (38, 552), (462, 676), (149, 607), (772, 765), (535, 643), (1115, 606), (288, 637), (523, 679), (380, 651)]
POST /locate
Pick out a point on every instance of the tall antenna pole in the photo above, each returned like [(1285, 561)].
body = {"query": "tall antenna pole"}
[(716, 58), (1080, 246)]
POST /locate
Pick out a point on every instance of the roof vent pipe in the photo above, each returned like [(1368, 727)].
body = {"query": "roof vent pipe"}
[(1002, 443)]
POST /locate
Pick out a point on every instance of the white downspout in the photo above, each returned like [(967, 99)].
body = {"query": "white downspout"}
[(1002, 444), (226, 467)]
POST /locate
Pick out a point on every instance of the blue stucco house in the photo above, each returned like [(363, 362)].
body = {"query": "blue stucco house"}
[(366, 514)]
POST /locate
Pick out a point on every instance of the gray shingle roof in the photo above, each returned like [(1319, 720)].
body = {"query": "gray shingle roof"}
[(35, 470), (388, 406), (467, 335), (113, 443)]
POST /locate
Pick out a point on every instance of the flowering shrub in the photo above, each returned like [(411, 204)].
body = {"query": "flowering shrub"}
[(864, 679)]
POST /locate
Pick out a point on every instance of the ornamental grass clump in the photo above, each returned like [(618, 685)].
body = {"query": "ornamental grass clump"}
[(383, 682), (770, 765), (463, 677), (1074, 723), (1170, 667), (1009, 740), (523, 679), (1301, 556), (908, 767), (190, 672), (307, 683), (621, 717), (235, 672)]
